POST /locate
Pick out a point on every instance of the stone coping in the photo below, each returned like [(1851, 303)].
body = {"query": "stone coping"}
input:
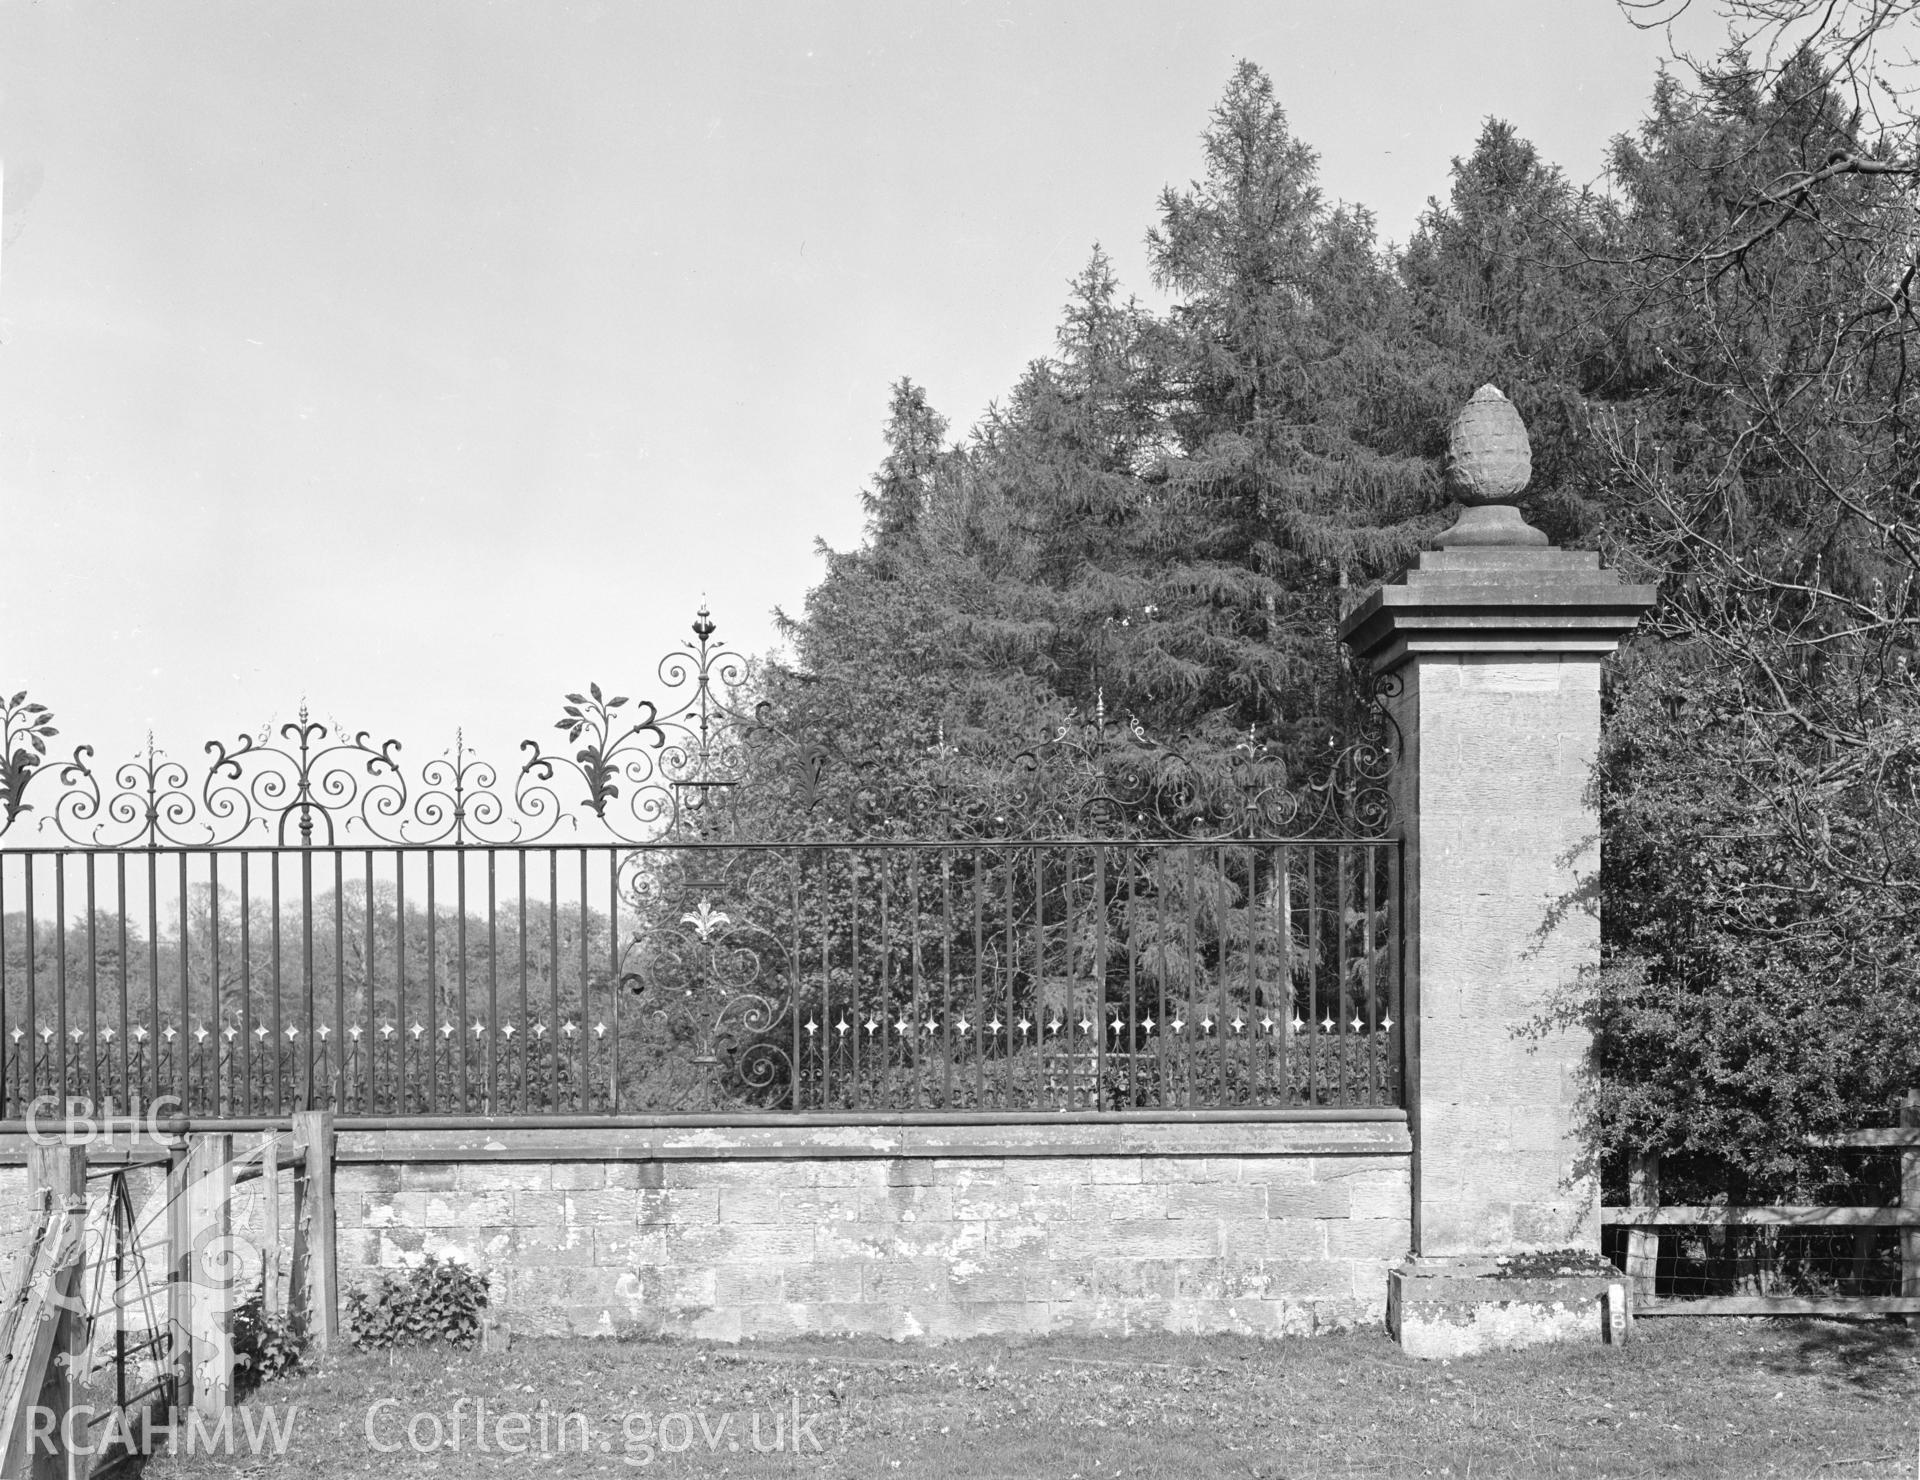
[(899, 1137), (1532, 600)]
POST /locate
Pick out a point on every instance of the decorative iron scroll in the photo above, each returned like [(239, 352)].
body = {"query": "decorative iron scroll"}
[(642, 771), (715, 993), (1103, 778)]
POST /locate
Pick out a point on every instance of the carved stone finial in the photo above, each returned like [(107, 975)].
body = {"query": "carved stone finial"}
[(1489, 462)]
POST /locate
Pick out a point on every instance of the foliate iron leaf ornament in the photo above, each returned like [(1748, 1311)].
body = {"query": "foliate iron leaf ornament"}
[(667, 772), (610, 752), (27, 728)]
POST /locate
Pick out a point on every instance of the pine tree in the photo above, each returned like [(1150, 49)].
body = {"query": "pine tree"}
[(1301, 432), (915, 436)]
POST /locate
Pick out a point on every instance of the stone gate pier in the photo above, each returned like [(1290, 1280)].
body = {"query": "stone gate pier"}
[(1491, 647)]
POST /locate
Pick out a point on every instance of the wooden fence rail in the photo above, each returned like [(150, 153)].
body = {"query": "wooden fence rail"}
[(1646, 1215)]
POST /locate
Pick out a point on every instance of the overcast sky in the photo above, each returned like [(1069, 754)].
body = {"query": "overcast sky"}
[(426, 360)]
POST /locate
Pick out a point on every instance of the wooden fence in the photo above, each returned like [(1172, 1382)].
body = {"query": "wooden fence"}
[(64, 1332), (1646, 1217)]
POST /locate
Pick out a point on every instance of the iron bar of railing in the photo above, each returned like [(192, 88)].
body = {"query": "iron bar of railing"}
[(1098, 977)]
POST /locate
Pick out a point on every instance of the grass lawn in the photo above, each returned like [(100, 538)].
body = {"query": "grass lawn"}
[(1688, 1397)]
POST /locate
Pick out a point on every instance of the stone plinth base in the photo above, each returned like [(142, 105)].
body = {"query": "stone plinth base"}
[(1456, 1307)]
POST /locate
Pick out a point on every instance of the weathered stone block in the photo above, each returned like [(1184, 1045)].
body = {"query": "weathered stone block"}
[(1157, 1238), (1015, 1236), (1309, 1279), (905, 1282), (1075, 1171), (668, 1286), (790, 1205), (590, 1287), (969, 1281), (1096, 1201), (1563, 1225), (536, 1210), (724, 1171), (1014, 1201), (737, 1243), (769, 1321), (1381, 1195), (908, 1204), (1274, 1238), (1368, 1238), (1222, 1279), (1062, 1279), (1135, 1279), (417, 1175), (505, 1176), (1086, 1317), (748, 1284), (1216, 1200), (365, 1179), (439, 1210), (904, 1173), (570, 1176), (1210, 1169), (622, 1247), (1285, 1171), (852, 1318), (400, 1248), (1309, 1200), (850, 1171), (678, 1205), (899, 1240), (608, 1205), (521, 1248), (824, 1281)]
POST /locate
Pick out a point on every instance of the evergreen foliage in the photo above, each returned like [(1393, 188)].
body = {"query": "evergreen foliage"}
[(1167, 515)]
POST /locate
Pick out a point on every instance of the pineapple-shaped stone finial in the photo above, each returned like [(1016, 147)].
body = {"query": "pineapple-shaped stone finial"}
[(1489, 462)]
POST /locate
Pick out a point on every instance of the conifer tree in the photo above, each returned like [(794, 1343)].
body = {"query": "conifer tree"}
[(1301, 434)]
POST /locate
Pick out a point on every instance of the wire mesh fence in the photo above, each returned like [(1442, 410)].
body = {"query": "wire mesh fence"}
[(1839, 1227)]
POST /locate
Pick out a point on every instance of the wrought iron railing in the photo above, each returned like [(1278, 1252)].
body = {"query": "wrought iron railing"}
[(697, 905), (1018, 976)]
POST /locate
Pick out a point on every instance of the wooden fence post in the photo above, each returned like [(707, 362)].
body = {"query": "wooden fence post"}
[(316, 1271), (1643, 1244), (1910, 1200), (56, 1177), (179, 1273), (208, 1195), (41, 1335), (270, 1223)]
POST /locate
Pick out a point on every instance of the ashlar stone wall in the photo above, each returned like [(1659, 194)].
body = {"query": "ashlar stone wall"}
[(907, 1231)]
